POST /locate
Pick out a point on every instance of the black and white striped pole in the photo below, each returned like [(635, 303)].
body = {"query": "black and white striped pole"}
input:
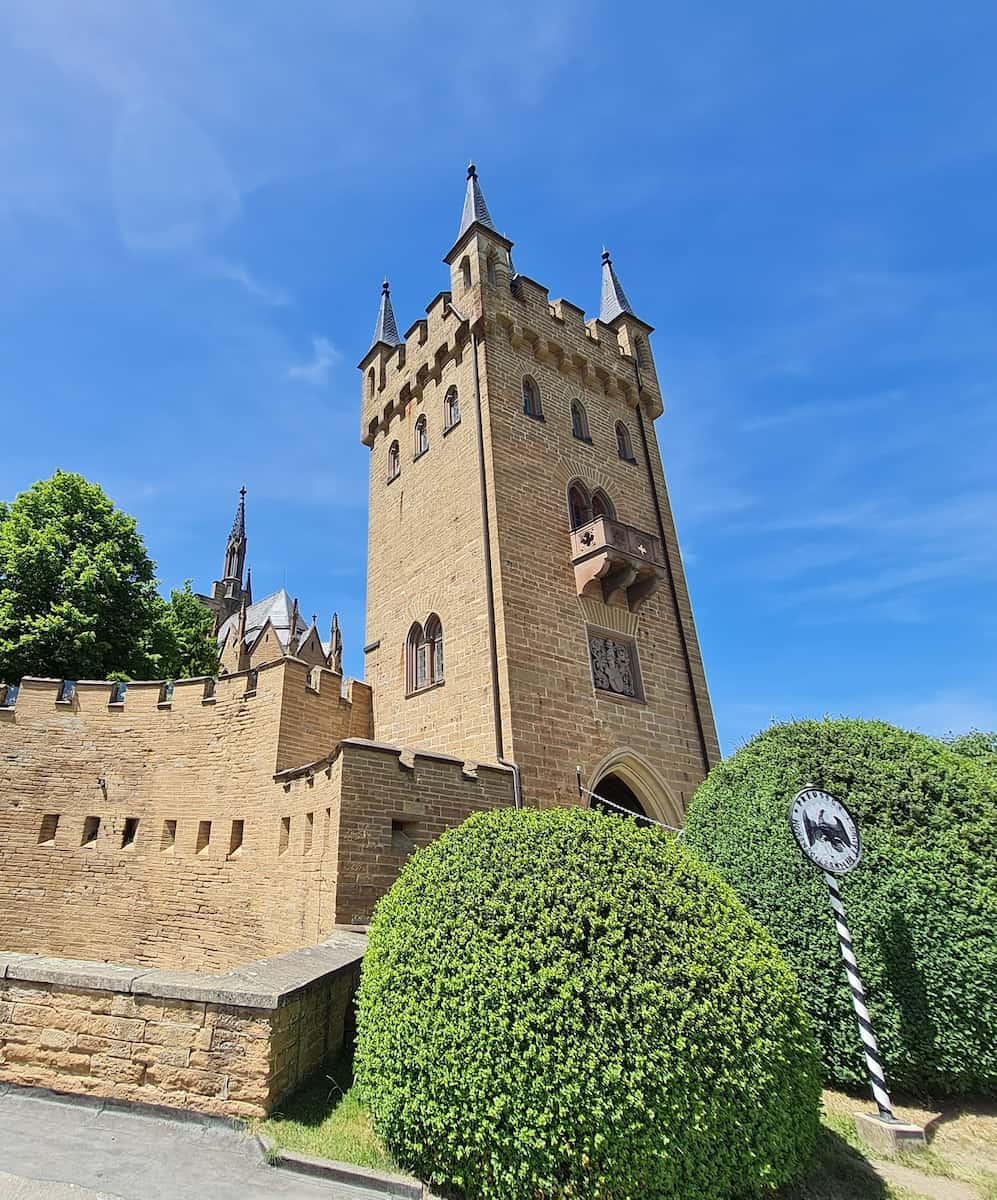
[(873, 1062), (829, 837)]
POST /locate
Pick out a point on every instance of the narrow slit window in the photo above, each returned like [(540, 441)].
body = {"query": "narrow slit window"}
[(168, 840), (421, 436), (203, 836), (285, 835), (91, 827), (579, 422), (309, 830), (531, 399), (235, 838), (451, 409), (129, 833), (46, 834), (624, 447), (394, 462)]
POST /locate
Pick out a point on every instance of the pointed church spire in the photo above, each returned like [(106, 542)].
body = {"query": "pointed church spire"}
[(614, 298), (386, 331), (235, 551), (475, 208), (335, 646), (248, 591)]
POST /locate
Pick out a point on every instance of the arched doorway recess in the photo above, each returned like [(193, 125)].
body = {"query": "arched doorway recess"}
[(624, 777)]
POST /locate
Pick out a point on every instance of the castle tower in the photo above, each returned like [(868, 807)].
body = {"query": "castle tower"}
[(526, 597)]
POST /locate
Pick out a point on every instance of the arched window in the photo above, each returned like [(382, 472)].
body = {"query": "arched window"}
[(531, 399), (579, 506), (421, 436), (451, 409), (602, 506), (434, 640), (579, 421), (394, 462), (424, 655), (465, 272), (624, 448)]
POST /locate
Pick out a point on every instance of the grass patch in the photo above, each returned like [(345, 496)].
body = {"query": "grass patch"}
[(326, 1119)]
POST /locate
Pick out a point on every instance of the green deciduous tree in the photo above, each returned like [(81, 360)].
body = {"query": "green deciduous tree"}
[(187, 644), (78, 594)]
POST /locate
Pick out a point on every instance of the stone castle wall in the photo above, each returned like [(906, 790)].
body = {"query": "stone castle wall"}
[(175, 834)]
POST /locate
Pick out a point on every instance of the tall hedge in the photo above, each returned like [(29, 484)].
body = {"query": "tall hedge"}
[(561, 1005), (922, 905)]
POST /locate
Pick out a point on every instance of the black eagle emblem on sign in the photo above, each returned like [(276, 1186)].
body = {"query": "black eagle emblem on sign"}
[(823, 830)]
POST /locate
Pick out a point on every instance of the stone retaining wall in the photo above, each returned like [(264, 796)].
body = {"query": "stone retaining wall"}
[(231, 1044)]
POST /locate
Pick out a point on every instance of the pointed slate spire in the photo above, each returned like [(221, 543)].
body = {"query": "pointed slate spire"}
[(239, 524), (614, 298), (386, 331), (248, 591), (475, 208)]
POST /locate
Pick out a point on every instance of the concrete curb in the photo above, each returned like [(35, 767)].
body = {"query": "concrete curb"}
[(379, 1182)]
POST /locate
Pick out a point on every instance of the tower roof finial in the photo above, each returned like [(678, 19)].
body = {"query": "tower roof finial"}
[(614, 298), (475, 208), (385, 330)]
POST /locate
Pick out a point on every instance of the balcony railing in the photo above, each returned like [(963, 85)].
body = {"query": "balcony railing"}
[(617, 563), (604, 532)]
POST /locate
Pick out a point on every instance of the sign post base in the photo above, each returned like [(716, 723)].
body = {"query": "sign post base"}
[(889, 1137)]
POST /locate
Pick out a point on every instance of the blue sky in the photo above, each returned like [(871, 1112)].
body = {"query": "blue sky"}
[(198, 202)]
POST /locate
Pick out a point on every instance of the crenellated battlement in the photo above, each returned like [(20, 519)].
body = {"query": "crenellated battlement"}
[(599, 356), (285, 708)]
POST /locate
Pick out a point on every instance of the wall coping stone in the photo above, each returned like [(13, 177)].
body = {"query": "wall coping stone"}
[(267, 983)]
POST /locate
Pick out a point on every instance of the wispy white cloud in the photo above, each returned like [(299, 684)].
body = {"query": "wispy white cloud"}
[(268, 294), (316, 371)]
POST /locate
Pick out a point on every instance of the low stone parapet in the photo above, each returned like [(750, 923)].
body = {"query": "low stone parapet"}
[(231, 1044)]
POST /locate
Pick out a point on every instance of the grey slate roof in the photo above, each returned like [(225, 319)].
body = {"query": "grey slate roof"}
[(614, 298), (276, 608), (475, 208), (386, 330)]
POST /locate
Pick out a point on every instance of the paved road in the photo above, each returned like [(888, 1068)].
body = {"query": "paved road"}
[(60, 1149)]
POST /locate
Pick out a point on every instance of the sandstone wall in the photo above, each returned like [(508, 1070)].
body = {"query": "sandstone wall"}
[(155, 833), (230, 1045)]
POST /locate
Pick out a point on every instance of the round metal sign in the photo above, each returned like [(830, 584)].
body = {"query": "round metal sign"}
[(825, 830)]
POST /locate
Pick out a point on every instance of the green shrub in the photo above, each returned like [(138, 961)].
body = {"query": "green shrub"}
[(922, 904), (559, 1004)]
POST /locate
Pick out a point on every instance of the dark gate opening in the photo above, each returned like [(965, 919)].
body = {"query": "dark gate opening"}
[(618, 795)]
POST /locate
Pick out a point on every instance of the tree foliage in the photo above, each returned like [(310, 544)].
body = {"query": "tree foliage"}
[(922, 904), (558, 1004), (979, 746), (78, 596), (187, 643)]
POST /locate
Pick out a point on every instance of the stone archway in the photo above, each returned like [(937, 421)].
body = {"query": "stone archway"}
[(626, 775)]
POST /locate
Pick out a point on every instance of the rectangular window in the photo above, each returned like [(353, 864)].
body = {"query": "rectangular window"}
[(129, 832), (615, 667), (169, 838), (309, 829), (203, 836), (46, 835), (421, 667), (91, 827), (235, 840), (285, 835)]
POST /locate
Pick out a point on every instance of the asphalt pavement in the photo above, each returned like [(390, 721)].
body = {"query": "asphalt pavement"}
[(60, 1148)]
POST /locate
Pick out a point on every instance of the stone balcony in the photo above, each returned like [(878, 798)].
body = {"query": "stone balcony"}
[(616, 563)]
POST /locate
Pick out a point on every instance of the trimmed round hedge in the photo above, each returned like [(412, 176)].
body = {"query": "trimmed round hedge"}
[(558, 1004), (921, 906)]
